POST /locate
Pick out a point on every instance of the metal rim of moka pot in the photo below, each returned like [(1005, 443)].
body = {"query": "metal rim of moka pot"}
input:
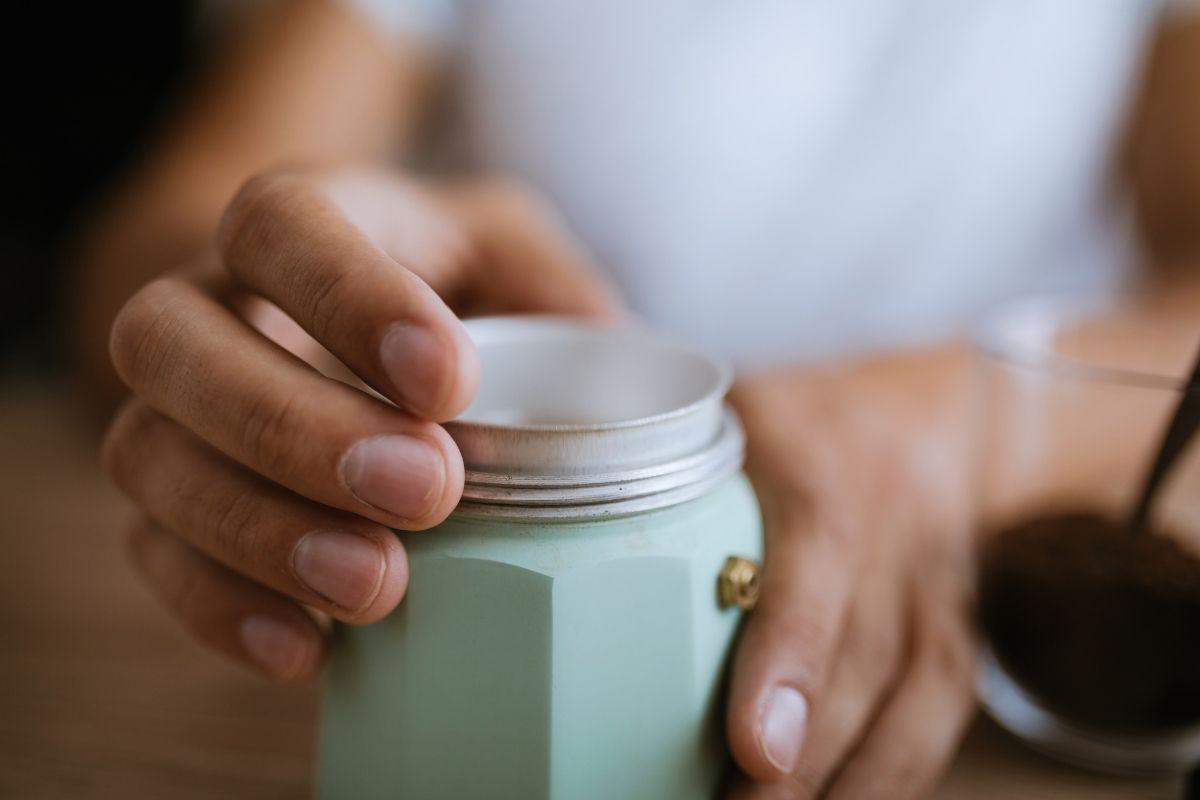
[(578, 420)]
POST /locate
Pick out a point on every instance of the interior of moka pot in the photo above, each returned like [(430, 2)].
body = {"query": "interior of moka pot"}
[(568, 397)]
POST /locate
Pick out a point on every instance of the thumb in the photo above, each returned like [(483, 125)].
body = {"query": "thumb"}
[(522, 258), (790, 638)]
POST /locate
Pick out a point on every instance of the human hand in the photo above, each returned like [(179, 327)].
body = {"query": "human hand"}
[(267, 488), (853, 678)]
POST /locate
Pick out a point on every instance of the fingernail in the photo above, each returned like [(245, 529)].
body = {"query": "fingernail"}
[(400, 474), (344, 568), (781, 727), (276, 646), (418, 364)]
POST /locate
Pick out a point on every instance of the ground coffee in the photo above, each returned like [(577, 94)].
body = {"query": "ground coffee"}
[(1099, 621)]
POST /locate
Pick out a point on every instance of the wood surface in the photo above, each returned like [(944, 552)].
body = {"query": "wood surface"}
[(102, 696)]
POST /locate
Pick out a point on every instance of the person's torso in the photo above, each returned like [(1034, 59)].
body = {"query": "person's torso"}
[(781, 180)]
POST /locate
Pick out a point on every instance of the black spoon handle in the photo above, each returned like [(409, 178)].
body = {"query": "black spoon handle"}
[(1179, 433)]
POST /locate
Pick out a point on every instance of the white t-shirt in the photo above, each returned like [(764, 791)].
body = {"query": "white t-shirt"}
[(779, 181)]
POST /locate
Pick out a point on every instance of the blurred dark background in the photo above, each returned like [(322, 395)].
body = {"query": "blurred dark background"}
[(87, 86)]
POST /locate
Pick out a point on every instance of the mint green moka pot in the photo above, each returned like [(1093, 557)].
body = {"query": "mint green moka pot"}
[(566, 632)]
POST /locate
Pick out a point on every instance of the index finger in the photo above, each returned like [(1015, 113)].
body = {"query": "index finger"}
[(285, 237)]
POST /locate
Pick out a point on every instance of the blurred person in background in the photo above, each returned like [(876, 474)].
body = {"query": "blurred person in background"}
[(825, 193)]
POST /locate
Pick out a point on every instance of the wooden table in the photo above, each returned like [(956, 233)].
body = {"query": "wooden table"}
[(102, 696)]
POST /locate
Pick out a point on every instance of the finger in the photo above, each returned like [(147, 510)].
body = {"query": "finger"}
[(866, 664), (866, 667), (192, 360), (810, 565), (285, 237), (245, 621), (524, 258), (334, 561), (915, 735)]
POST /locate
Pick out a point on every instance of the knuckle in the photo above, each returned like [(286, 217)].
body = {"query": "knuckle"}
[(326, 295), (272, 425), (146, 332), (247, 221), (235, 526), (225, 526)]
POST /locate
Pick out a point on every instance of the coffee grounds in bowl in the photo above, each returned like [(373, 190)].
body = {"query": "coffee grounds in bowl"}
[(1100, 622)]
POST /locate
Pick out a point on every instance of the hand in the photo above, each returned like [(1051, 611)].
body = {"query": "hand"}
[(268, 488), (853, 679)]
